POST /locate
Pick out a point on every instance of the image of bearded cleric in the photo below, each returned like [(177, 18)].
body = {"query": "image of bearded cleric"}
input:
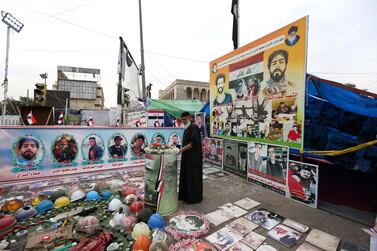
[(278, 83), (27, 151)]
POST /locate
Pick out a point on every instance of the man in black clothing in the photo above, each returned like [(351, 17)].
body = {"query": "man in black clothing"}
[(191, 176), (117, 151)]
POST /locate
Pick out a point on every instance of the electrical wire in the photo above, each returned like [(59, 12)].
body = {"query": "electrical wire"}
[(163, 68), (63, 12), (63, 20)]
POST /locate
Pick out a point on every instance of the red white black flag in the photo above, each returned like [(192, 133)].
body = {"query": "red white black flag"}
[(30, 118), (91, 120)]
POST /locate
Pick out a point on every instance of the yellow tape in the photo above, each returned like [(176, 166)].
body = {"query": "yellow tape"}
[(340, 152)]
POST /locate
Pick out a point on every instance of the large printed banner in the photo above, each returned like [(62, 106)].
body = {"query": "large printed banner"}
[(33, 153), (303, 183), (235, 157), (213, 153), (268, 166), (258, 90)]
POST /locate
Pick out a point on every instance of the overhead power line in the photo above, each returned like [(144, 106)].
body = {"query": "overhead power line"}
[(63, 12), (63, 20)]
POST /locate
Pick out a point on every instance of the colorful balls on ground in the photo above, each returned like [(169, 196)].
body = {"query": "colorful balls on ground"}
[(77, 195), (130, 199), (45, 206), (143, 215), (136, 207), (88, 224), (57, 194), (61, 202), (139, 229), (12, 205), (142, 243), (128, 223), (92, 196), (7, 221), (156, 221), (128, 190), (26, 213), (106, 194), (39, 199), (115, 204)]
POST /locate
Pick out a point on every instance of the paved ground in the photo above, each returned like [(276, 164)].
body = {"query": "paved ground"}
[(233, 188)]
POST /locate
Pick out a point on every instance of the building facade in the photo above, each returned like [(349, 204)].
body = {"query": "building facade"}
[(83, 85), (186, 89)]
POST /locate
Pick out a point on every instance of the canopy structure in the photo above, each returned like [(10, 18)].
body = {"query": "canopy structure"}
[(338, 117), (174, 107)]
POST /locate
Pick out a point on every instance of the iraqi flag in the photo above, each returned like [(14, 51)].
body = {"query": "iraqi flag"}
[(118, 121), (61, 119), (138, 122), (30, 118), (91, 120)]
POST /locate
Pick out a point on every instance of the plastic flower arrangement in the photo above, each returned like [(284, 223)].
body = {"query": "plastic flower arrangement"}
[(161, 149)]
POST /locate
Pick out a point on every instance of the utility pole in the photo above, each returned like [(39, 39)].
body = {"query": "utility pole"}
[(5, 84), (142, 67)]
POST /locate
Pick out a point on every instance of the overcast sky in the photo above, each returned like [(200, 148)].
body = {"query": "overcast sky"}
[(180, 38)]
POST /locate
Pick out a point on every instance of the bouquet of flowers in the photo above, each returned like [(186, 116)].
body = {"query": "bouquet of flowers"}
[(161, 149)]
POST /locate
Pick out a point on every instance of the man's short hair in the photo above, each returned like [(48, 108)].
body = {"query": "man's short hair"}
[(282, 103), (284, 53), (140, 137), (22, 141), (229, 148), (220, 76), (185, 114), (92, 138), (292, 29), (117, 138)]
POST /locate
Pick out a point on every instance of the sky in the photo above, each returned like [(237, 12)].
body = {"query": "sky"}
[(180, 38)]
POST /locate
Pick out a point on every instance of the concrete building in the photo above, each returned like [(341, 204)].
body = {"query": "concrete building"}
[(83, 85), (186, 89)]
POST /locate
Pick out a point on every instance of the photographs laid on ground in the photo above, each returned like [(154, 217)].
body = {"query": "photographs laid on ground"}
[(233, 210), (224, 238), (239, 246), (285, 235), (218, 217), (209, 170), (345, 246), (296, 225), (218, 175), (307, 247), (235, 157), (266, 247), (323, 240), (268, 166), (253, 240), (242, 226), (302, 183), (264, 218), (247, 203)]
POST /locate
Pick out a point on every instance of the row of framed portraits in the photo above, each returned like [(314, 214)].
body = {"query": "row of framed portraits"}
[(266, 165)]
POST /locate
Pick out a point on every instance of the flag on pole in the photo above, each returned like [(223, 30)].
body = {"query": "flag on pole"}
[(129, 71), (30, 118), (118, 121), (61, 118), (91, 120), (234, 11)]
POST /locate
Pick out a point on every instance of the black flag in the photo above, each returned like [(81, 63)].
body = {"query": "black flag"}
[(234, 11)]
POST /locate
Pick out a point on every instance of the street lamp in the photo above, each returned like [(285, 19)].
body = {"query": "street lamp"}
[(17, 26)]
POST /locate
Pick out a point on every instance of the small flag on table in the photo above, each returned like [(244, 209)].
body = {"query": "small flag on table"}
[(118, 121), (91, 120), (61, 118), (30, 118)]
